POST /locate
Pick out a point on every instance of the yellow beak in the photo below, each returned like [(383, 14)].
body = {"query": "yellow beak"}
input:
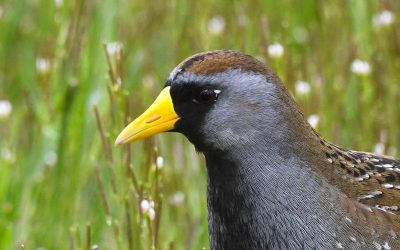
[(159, 117)]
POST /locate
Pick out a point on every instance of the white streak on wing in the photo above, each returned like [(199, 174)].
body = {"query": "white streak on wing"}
[(370, 195), (387, 185), (386, 246), (377, 245)]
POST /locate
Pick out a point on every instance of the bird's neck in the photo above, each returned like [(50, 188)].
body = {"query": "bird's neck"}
[(254, 192)]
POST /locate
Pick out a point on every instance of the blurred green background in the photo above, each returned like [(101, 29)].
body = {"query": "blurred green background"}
[(63, 184)]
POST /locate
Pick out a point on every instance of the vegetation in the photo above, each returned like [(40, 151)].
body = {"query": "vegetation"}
[(73, 73)]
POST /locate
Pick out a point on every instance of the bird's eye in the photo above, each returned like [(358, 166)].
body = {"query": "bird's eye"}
[(206, 96)]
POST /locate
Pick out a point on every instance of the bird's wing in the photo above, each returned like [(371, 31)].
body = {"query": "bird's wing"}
[(375, 179), (381, 175)]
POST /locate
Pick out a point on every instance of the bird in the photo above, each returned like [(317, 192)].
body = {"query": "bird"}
[(272, 181)]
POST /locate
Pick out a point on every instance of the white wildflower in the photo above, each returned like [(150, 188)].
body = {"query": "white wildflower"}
[(7, 155), (58, 3), (313, 120), (360, 67), (379, 148), (302, 88), (50, 159), (42, 65), (275, 50), (145, 205), (5, 108), (385, 18), (160, 162), (119, 82), (114, 48), (177, 198), (152, 214), (216, 25)]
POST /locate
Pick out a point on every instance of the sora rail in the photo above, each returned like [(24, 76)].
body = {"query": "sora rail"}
[(272, 181)]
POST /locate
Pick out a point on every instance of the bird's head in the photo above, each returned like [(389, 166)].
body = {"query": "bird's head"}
[(217, 99)]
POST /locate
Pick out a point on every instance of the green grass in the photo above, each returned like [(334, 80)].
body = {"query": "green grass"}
[(62, 205)]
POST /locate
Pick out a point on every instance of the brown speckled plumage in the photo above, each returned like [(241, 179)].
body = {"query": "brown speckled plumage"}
[(371, 179)]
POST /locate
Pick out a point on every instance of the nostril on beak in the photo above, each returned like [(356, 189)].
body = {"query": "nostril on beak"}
[(153, 118)]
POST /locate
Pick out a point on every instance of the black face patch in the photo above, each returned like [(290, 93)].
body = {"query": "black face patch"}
[(192, 114)]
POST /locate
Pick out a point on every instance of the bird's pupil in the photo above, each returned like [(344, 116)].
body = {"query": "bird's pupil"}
[(207, 97)]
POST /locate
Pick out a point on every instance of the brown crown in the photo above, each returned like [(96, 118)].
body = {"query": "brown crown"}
[(220, 60)]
